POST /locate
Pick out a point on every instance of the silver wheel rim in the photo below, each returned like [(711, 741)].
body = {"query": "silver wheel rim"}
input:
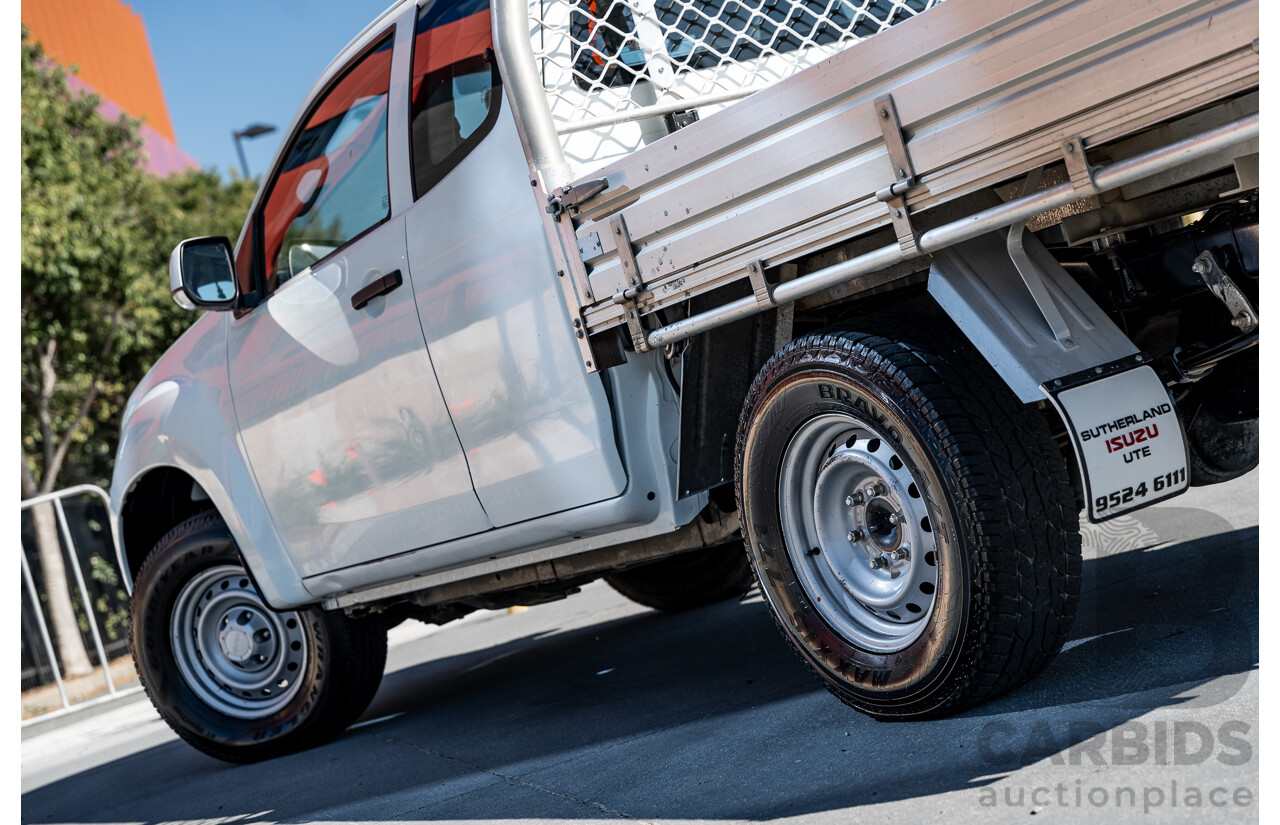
[(858, 531), (239, 656)]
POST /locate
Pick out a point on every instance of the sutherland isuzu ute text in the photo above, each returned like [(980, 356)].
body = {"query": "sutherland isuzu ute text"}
[(865, 302)]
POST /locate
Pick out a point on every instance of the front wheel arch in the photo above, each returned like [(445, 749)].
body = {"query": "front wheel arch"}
[(158, 501)]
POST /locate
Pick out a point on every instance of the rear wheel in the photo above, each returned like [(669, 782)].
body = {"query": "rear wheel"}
[(911, 523), (231, 676), (686, 581)]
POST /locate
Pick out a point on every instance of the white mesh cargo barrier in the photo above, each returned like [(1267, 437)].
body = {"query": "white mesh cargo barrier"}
[(622, 73)]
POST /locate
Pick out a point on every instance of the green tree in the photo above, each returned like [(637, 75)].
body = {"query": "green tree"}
[(96, 310)]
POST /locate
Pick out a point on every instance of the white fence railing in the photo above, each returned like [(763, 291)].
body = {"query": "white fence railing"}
[(75, 574)]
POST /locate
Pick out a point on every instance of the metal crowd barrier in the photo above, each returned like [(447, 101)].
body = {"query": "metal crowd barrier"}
[(73, 560)]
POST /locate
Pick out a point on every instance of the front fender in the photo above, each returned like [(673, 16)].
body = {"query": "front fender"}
[(181, 416)]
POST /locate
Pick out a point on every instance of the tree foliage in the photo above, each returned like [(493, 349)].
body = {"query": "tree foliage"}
[(96, 310), (97, 230)]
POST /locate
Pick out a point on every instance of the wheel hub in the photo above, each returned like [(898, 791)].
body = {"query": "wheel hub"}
[(882, 520), (852, 509), (236, 645), (245, 637)]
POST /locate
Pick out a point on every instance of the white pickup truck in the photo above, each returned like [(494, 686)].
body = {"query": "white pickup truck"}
[(864, 302)]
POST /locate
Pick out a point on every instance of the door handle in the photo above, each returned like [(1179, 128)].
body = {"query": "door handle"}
[(381, 286)]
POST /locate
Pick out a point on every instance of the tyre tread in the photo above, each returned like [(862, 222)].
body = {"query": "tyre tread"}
[(1018, 505), (359, 648)]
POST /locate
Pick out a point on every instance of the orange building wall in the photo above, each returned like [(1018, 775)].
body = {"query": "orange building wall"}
[(107, 40)]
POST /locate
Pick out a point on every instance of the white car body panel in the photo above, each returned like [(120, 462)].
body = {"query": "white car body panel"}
[(181, 416), (534, 423), (342, 420)]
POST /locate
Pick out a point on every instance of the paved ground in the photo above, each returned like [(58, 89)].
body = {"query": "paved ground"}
[(79, 689), (596, 709)]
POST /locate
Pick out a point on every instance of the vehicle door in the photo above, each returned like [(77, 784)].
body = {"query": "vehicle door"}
[(536, 426), (341, 417)]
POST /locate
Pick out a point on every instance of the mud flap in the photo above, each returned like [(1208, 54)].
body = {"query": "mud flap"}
[(1125, 431)]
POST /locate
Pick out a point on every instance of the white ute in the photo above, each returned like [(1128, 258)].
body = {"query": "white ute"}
[(865, 302)]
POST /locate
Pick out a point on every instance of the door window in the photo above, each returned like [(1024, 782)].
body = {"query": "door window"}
[(332, 186), (455, 87)]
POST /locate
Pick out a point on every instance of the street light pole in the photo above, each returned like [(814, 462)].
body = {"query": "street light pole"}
[(244, 164), (253, 131)]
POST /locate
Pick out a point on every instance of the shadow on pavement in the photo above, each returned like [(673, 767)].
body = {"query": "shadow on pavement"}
[(708, 714)]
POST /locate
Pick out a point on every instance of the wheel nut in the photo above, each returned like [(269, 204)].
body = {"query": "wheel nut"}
[(877, 563), (901, 554), (853, 500), (895, 519), (856, 534)]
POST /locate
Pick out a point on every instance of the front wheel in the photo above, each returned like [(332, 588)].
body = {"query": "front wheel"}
[(911, 524), (231, 676)]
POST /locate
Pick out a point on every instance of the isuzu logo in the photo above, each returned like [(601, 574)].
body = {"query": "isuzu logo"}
[(1119, 442)]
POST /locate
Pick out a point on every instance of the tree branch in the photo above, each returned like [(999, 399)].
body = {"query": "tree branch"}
[(29, 489), (51, 469), (48, 380)]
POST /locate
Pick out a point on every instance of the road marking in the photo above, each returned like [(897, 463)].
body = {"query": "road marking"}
[(1078, 642), (376, 721), (488, 661)]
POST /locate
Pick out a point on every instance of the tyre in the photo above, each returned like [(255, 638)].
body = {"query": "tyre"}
[(231, 676), (686, 581), (1220, 450), (911, 523)]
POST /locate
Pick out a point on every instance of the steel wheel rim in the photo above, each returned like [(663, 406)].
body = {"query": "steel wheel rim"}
[(858, 531), (239, 656)]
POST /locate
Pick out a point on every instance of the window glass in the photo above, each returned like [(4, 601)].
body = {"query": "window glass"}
[(333, 183), (455, 87), (601, 29)]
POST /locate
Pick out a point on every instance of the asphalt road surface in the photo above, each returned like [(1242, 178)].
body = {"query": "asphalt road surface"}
[(594, 708)]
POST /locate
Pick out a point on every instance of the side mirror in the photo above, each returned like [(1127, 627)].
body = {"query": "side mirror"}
[(201, 274)]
